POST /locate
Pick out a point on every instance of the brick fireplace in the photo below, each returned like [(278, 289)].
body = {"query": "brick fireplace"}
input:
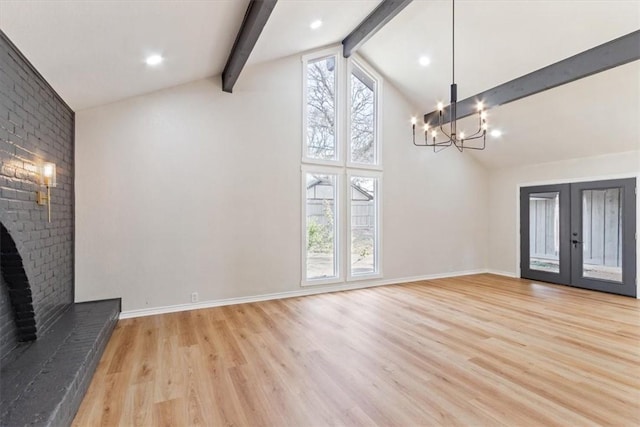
[(47, 343), (36, 126)]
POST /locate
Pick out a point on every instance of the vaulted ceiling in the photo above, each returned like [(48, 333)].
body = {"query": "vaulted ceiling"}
[(92, 53)]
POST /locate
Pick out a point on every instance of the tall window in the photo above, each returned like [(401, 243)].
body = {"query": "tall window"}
[(363, 132), (363, 221), (341, 168), (321, 109), (321, 230)]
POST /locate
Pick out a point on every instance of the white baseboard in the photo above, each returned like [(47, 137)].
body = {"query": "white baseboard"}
[(503, 273), (290, 294)]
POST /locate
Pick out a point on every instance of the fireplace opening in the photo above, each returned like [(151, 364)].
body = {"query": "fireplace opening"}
[(17, 317)]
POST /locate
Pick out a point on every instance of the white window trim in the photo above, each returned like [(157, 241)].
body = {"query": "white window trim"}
[(358, 62), (340, 63), (339, 232), (378, 229), (343, 168)]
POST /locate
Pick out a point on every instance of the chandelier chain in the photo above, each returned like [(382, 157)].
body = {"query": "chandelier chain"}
[(453, 41)]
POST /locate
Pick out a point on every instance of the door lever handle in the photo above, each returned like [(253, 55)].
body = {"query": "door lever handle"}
[(574, 241)]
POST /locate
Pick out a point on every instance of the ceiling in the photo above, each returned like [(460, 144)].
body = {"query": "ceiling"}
[(496, 41), (92, 52)]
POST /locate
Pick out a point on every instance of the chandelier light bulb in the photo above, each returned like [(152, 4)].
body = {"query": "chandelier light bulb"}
[(485, 126), (440, 106), (426, 127), (414, 120), (480, 106), (434, 134), (461, 135), (483, 115)]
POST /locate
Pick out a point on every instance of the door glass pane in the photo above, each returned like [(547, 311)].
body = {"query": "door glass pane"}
[(321, 226), (544, 232), (602, 234), (363, 225)]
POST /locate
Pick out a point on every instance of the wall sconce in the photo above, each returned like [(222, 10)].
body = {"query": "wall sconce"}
[(48, 177)]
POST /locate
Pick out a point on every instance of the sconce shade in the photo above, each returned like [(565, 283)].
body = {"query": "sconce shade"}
[(48, 174)]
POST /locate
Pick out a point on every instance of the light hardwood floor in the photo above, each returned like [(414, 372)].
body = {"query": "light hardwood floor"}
[(473, 350)]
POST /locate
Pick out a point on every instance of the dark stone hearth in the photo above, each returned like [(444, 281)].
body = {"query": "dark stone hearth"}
[(43, 382)]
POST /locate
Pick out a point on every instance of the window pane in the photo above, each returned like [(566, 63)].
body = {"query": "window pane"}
[(364, 216), (544, 232), (321, 109), (363, 118), (602, 234), (321, 226)]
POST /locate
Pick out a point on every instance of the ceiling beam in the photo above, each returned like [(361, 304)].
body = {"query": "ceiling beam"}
[(254, 21), (616, 52), (371, 24)]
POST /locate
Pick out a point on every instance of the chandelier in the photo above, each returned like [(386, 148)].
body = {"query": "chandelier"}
[(452, 137)]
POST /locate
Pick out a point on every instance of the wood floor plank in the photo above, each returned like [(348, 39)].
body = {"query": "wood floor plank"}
[(472, 350)]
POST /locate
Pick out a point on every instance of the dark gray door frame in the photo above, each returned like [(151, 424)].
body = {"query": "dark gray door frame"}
[(571, 254), (564, 277), (628, 286)]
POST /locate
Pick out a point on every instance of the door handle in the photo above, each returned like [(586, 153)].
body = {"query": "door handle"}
[(574, 241)]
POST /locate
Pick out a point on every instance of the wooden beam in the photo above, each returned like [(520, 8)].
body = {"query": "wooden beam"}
[(371, 24), (254, 21), (616, 52)]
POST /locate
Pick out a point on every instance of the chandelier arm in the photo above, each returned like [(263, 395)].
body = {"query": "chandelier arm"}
[(439, 150), (472, 137), (435, 143), (414, 138), (476, 134), (420, 145), (474, 148), (482, 147), (443, 144), (445, 133)]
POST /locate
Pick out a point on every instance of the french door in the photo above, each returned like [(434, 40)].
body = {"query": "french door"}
[(580, 234)]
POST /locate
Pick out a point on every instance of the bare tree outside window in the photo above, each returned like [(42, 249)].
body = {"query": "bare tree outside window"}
[(321, 109), (362, 118)]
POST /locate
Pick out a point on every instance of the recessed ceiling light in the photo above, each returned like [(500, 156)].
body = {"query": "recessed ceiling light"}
[(154, 60), (316, 24), (496, 133), (424, 61)]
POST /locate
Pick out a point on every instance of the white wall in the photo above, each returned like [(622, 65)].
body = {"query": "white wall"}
[(192, 189), (504, 185)]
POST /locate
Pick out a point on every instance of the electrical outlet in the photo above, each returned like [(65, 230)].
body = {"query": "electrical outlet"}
[(194, 297)]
